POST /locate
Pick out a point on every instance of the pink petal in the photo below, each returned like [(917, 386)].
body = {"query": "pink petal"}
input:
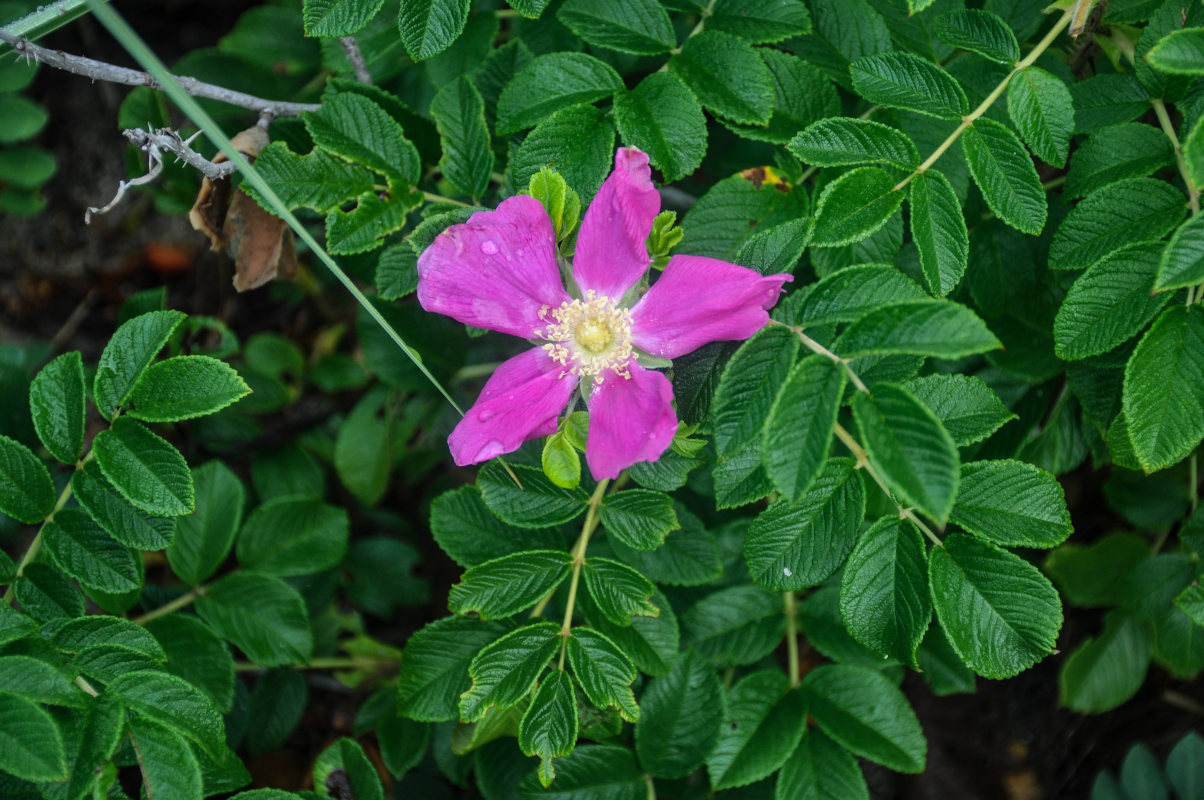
[(630, 420), (495, 271), (699, 300), (520, 401), (611, 254)]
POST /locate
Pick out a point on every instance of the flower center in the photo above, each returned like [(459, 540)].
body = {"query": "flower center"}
[(589, 336)]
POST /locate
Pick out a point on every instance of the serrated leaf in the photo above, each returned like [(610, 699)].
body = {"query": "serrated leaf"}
[(688, 557), (128, 353), (932, 327), (362, 228), (1003, 170), (549, 726), (663, 118), (793, 546), (604, 672), (338, 17), (909, 447), (765, 721), (169, 767), (203, 538), (618, 591), (1136, 210), (1180, 53), (1101, 673), (853, 206), (471, 535), (798, 433), (751, 382), (145, 468), (848, 141), (396, 272), (1118, 152), (101, 730), (1012, 504), (578, 141), (639, 518), (558, 199), (884, 590), (640, 27), (981, 32), (1090, 575), (30, 745), (820, 769), (185, 387), (196, 654), (428, 27), (760, 21), (776, 250), (601, 770), (37, 680), (861, 709), (1182, 263), (550, 83), (505, 586), (966, 406), (83, 550), (173, 702), (459, 113), (682, 715), (802, 94), (853, 292), (263, 616), (651, 642), (45, 593), (537, 504), (56, 403), (77, 635), (316, 180), (938, 229), (907, 81), (1041, 108), (293, 536), (434, 668), (726, 75), (26, 491), (363, 448), (506, 670), (124, 522), (1001, 615), (735, 626), (345, 762), (733, 210)]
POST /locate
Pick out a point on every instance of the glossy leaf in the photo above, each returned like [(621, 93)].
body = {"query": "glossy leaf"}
[(204, 537), (604, 672), (507, 585), (726, 75), (798, 433), (550, 83), (185, 387), (1042, 109), (428, 27), (1003, 170), (848, 141), (293, 536), (938, 228), (549, 726), (537, 504), (640, 27), (854, 206), (663, 118), (87, 553), (978, 31), (639, 518), (145, 468), (932, 327), (1121, 213), (56, 403), (128, 353), (467, 161), (1011, 503), (907, 81), (435, 666), (505, 671)]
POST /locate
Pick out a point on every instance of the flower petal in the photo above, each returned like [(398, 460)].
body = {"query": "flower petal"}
[(699, 300), (495, 271), (630, 420), (520, 401), (611, 253)]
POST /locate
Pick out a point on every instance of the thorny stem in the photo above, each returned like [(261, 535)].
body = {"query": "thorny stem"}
[(990, 99), (791, 638), (1164, 120), (587, 530), (182, 601)]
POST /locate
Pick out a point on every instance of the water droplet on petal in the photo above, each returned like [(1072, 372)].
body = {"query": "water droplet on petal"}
[(485, 414), (489, 248)]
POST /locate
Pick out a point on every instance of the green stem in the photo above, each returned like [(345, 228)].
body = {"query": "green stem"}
[(182, 601), (1164, 120), (651, 793), (791, 638), (587, 530), (36, 545), (990, 99)]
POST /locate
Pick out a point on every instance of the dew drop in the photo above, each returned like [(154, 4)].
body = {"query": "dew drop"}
[(484, 415), (787, 571), (489, 248)]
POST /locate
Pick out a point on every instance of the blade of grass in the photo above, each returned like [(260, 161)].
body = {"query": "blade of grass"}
[(45, 19)]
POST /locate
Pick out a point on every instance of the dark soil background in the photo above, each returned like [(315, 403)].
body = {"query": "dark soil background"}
[(64, 282)]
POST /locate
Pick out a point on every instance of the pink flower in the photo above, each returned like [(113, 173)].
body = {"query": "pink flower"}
[(499, 271)]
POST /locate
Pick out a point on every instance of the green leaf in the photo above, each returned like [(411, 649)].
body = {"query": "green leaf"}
[(434, 669), (932, 327), (802, 95), (203, 538), (907, 81), (751, 381), (262, 616), (84, 551), (37, 680), (30, 745), (980, 32), (765, 722), (884, 590), (733, 210), (1153, 583), (862, 710), (196, 654), (1191, 602), (363, 449), (26, 491), (1182, 262), (169, 767), (966, 406), (798, 433), (1003, 170), (396, 272), (23, 118), (316, 180), (549, 726), (45, 593), (910, 449), (128, 525), (428, 27), (1164, 387), (14, 625), (853, 206), (604, 672), (1180, 53), (760, 21), (128, 353), (361, 229), (735, 626), (145, 468), (639, 518), (560, 461), (293, 536), (1136, 210), (558, 199), (471, 535), (689, 556), (467, 160), (578, 141), (173, 702), (726, 75), (1041, 107), (618, 591), (1102, 673), (101, 730), (853, 292), (593, 771), (507, 585), (776, 250), (1012, 504), (344, 762), (793, 546), (77, 635), (1185, 767), (185, 387), (847, 141), (505, 671), (938, 229), (26, 167), (338, 17), (640, 27), (651, 642), (550, 83), (56, 403), (1001, 615), (820, 769), (682, 714), (1179, 643), (1118, 152), (663, 118), (1090, 576), (537, 504)]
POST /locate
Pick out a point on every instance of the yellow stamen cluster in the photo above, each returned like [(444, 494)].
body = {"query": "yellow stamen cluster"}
[(589, 337)]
